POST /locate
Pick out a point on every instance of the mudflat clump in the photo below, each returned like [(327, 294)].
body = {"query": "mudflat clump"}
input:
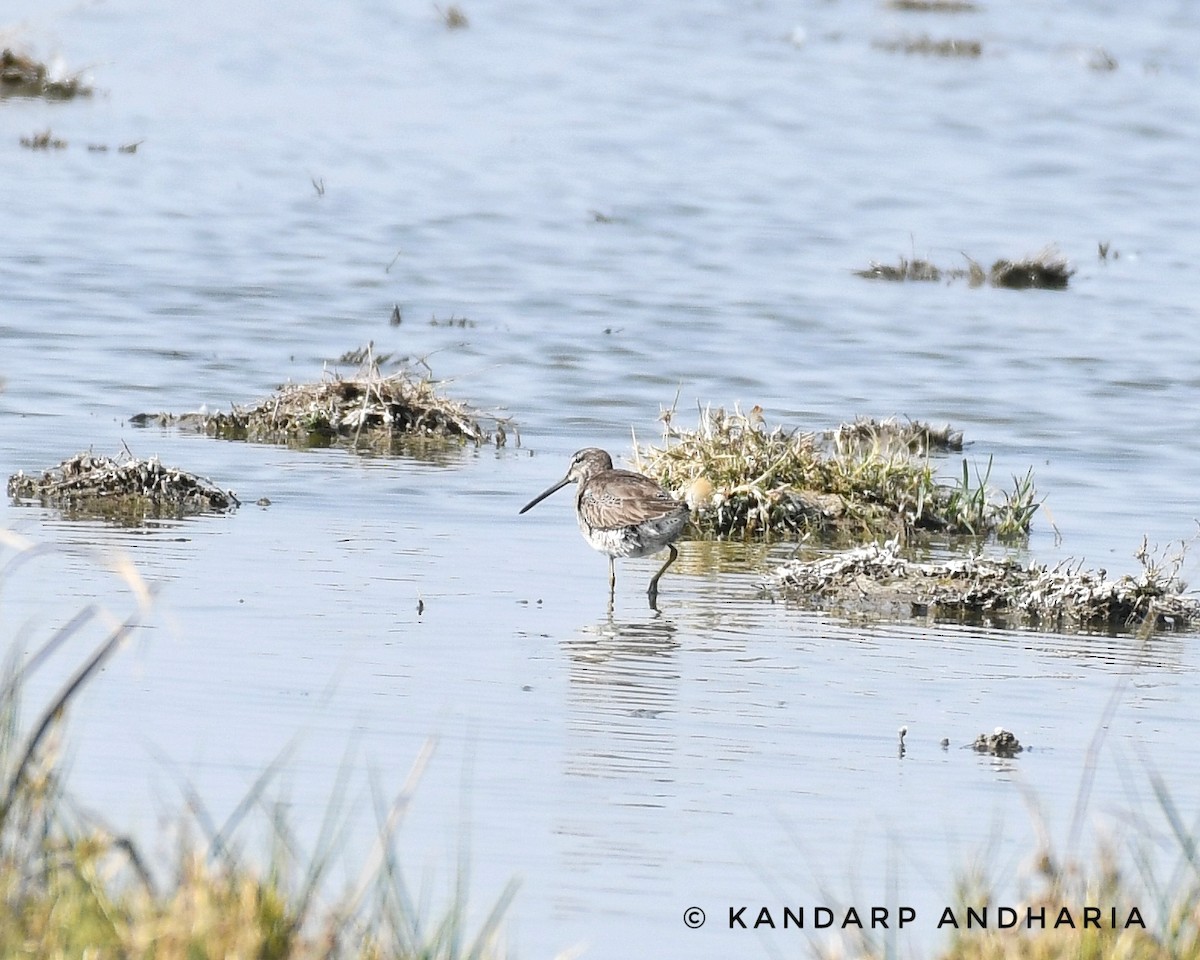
[(876, 578), (126, 489), (368, 410)]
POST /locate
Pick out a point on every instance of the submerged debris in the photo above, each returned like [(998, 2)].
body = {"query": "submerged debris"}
[(868, 478), (875, 577), (121, 148), (906, 270), (929, 47), (370, 410), (22, 76), (1102, 60), (453, 17), (1048, 270), (934, 6), (125, 489), (45, 140), (999, 743), (452, 321)]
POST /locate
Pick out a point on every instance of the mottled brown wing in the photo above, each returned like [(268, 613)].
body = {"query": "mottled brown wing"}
[(619, 498)]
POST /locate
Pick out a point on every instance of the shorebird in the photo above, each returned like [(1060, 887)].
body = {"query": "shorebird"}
[(621, 513)]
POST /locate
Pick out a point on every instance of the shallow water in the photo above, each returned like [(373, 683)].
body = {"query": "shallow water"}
[(729, 750)]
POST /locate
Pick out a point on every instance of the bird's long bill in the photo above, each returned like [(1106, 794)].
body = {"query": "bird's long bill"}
[(542, 496)]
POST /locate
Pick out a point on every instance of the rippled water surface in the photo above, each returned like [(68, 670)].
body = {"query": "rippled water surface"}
[(617, 204)]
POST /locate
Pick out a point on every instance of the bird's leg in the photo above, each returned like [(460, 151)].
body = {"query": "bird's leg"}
[(612, 576), (653, 589)]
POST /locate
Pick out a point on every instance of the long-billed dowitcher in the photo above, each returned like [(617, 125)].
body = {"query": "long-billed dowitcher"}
[(621, 513)]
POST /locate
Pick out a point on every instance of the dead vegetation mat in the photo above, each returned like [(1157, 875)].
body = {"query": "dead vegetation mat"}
[(369, 410), (877, 578), (126, 489)]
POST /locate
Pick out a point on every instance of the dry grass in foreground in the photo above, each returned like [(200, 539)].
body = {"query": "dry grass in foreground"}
[(867, 479), (1070, 912), (1110, 908), (71, 887)]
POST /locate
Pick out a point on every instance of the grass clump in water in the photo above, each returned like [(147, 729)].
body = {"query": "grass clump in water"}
[(868, 478), (72, 887), (915, 269), (934, 6), (126, 489), (368, 410), (929, 47), (46, 140), (879, 578), (23, 76), (1046, 270)]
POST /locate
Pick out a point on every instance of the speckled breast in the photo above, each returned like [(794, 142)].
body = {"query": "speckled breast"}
[(639, 540)]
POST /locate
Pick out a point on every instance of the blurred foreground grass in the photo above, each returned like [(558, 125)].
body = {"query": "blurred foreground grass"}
[(72, 888)]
